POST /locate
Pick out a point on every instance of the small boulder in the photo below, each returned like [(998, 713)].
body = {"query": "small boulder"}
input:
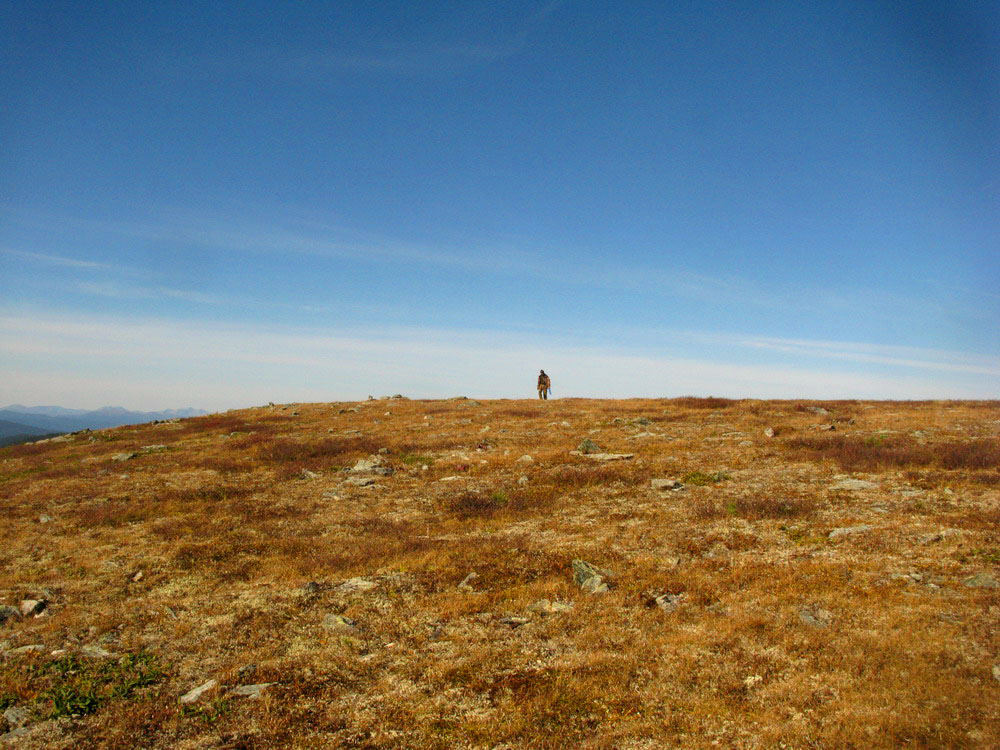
[(523, 480), (120, 457), (815, 616), (590, 578), (17, 716), (982, 581), (9, 613), (340, 624), (361, 481), (34, 648), (357, 584), (306, 474), (31, 607), (769, 432), (513, 622), (250, 691), (526, 459), (193, 695), (546, 607), (666, 484)]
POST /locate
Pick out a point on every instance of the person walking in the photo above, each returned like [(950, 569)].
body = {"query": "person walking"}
[(544, 385)]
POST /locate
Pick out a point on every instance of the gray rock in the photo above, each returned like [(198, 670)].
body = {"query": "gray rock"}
[(17, 716), (526, 459), (848, 531), (31, 607), (306, 474), (362, 481), (367, 464), (666, 484), (996, 672), (853, 484), (769, 432), (193, 695), (250, 691), (514, 622), (44, 519), (523, 480), (357, 584), (340, 624), (96, 652), (34, 648), (588, 446), (591, 578), (610, 456), (817, 410), (982, 581), (14, 734), (546, 607), (815, 616), (124, 457), (384, 471), (9, 613), (668, 602)]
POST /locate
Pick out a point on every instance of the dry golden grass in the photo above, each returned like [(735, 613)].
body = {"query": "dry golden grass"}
[(191, 560)]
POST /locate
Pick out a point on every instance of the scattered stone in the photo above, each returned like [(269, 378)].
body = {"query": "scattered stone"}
[(9, 613), (367, 465), (588, 446), (745, 443), (466, 584), (522, 480), (546, 607), (526, 459), (666, 484), (829, 427), (312, 588), (34, 648), (996, 672), (31, 607), (848, 531), (982, 581), (853, 484), (362, 481), (340, 624), (449, 479), (590, 578), (384, 451), (154, 448), (250, 691), (610, 456), (668, 602), (817, 410), (138, 577), (306, 474), (384, 471), (193, 695), (124, 457), (815, 616), (44, 519), (96, 652), (769, 432), (17, 716), (514, 622), (358, 584)]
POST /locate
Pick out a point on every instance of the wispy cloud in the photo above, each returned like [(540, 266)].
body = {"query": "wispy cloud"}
[(182, 361), (57, 260), (118, 291), (421, 58)]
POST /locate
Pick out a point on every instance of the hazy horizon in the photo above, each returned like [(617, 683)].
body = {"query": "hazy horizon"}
[(217, 207)]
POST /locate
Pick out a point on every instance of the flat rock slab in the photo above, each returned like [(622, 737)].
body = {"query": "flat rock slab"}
[(250, 691), (982, 581), (849, 531), (854, 484), (357, 584), (193, 695), (609, 456), (666, 484), (339, 624)]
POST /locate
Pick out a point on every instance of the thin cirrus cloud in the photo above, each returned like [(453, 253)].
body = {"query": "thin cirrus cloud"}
[(224, 365), (57, 260)]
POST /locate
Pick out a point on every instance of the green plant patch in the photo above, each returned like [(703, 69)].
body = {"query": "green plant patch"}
[(416, 459), (75, 686)]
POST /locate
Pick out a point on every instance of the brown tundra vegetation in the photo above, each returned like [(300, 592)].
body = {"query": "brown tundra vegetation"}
[(824, 576)]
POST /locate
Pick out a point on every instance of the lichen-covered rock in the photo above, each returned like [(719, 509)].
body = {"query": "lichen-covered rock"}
[(590, 578)]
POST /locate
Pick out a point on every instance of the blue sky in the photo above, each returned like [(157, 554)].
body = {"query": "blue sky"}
[(222, 204)]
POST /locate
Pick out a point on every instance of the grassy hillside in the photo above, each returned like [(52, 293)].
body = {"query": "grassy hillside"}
[(824, 576)]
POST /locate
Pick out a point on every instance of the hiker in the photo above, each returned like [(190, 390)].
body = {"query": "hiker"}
[(544, 385)]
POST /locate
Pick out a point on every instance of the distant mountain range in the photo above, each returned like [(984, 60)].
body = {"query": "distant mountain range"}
[(17, 420)]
